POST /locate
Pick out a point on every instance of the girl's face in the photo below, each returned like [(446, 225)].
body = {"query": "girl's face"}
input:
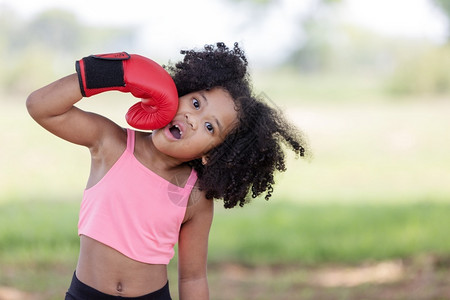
[(202, 122)]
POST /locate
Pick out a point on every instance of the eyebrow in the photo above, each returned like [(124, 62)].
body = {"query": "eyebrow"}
[(215, 119)]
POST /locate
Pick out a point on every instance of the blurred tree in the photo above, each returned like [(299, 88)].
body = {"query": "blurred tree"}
[(427, 72), (56, 29), (62, 32), (36, 47), (423, 74), (444, 6), (311, 48), (318, 28)]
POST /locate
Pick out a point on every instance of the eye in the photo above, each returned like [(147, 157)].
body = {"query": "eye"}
[(196, 103), (209, 127)]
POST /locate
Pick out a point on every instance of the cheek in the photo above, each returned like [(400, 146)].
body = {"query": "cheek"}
[(201, 144)]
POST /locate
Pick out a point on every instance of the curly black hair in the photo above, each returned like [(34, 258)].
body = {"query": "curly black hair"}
[(243, 166)]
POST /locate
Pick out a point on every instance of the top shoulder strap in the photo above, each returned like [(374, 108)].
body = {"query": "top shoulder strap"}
[(130, 140)]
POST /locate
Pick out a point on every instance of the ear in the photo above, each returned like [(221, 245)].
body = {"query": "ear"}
[(204, 160)]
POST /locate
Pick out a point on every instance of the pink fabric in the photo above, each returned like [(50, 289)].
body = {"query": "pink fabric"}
[(134, 210)]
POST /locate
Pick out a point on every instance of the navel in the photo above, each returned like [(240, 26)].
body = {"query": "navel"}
[(119, 287)]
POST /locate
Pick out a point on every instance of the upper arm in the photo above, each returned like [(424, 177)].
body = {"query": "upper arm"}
[(193, 240), (52, 106)]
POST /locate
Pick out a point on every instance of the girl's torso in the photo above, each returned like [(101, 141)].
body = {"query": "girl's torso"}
[(104, 268)]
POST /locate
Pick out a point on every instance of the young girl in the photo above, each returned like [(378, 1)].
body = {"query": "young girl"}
[(149, 190)]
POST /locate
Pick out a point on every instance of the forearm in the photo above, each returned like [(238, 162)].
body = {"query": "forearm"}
[(54, 99), (53, 108), (193, 289)]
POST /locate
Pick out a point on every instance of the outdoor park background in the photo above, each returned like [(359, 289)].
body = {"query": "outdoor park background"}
[(367, 217)]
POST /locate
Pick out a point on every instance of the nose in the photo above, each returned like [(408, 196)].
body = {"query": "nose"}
[(191, 121)]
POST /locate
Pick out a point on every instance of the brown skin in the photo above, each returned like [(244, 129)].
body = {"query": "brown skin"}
[(100, 266)]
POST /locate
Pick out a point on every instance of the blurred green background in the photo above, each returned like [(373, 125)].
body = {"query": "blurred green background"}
[(366, 218)]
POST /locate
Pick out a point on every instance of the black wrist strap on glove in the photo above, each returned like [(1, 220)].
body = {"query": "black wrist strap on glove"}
[(101, 71)]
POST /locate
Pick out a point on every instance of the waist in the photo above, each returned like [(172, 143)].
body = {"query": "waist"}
[(110, 272)]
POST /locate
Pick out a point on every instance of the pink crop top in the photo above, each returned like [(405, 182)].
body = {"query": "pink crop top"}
[(134, 210)]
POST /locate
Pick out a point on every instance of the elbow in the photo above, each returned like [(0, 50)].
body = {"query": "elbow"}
[(31, 105)]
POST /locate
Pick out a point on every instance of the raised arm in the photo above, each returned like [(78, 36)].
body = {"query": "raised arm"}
[(52, 106)]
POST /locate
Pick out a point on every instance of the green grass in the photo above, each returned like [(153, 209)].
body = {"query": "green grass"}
[(290, 233), (42, 232), (38, 232)]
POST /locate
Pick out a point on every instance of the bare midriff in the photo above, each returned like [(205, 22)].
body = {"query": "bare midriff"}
[(110, 272)]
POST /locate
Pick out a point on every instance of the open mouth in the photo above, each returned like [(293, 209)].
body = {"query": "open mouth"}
[(176, 132)]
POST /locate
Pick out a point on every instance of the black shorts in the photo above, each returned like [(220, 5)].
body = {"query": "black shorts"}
[(81, 291)]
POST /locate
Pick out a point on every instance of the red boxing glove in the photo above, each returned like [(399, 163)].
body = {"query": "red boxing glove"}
[(138, 75)]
